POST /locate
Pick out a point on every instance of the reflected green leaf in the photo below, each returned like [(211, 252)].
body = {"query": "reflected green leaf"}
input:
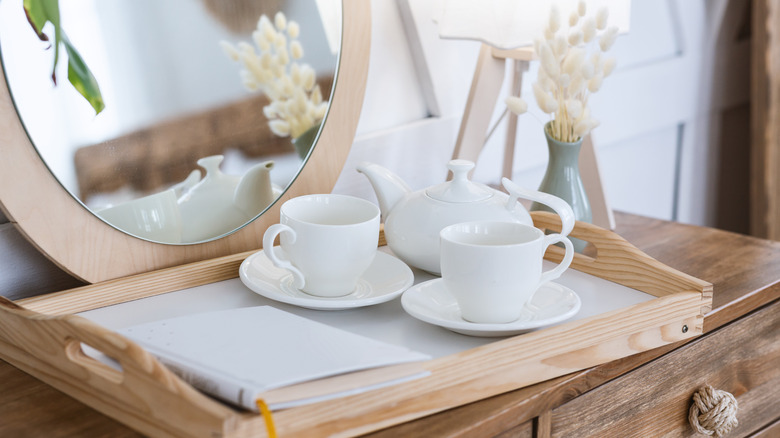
[(40, 12), (81, 78)]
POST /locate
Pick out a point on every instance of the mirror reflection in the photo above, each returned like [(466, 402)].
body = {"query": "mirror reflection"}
[(211, 106)]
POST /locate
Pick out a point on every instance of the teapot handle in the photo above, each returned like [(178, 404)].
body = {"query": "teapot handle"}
[(558, 205)]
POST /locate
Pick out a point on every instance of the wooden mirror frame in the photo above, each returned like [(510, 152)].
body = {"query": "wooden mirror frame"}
[(86, 247)]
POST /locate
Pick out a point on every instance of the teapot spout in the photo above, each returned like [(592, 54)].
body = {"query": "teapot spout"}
[(254, 192), (389, 187)]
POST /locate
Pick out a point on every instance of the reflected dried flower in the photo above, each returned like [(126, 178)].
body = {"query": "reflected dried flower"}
[(296, 100)]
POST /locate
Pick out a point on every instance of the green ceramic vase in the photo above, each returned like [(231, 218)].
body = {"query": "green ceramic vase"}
[(562, 179), (305, 141)]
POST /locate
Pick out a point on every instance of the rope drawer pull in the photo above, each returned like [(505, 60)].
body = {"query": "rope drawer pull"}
[(713, 412)]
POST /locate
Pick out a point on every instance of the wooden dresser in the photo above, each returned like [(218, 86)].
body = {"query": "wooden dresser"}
[(645, 395)]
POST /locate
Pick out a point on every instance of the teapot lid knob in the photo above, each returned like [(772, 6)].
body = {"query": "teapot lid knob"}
[(460, 169), (460, 189)]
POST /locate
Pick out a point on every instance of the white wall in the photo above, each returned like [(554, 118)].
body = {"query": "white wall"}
[(678, 68)]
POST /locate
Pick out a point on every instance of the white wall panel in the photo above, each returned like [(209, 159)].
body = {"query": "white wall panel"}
[(393, 95), (640, 173)]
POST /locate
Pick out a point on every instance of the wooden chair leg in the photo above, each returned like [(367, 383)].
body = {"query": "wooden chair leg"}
[(485, 87)]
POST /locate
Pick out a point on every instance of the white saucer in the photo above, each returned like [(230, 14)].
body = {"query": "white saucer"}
[(431, 302), (385, 279)]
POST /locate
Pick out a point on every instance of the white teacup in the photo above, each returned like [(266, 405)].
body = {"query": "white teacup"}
[(330, 241), (155, 217), (494, 268)]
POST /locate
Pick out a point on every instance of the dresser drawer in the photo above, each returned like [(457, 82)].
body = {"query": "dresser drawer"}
[(742, 358)]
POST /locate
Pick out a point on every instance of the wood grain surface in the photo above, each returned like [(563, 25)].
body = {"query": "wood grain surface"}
[(746, 288), (741, 358)]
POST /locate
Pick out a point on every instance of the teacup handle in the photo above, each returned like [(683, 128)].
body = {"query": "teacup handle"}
[(268, 247), (558, 205), (556, 272)]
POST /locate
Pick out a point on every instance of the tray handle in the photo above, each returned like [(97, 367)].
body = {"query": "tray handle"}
[(619, 261), (50, 348)]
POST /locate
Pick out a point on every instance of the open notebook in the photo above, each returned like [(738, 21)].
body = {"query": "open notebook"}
[(240, 355)]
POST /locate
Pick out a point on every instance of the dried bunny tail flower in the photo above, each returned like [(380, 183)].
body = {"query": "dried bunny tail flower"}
[(279, 127), (564, 79), (575, 37), (588, 29), (555, 19), (576, 85), (550, 105), (299, 97), (266, 60), (601, 18), (516, 105), (588, 70), (249, 83), (322, 108), (581, 128), (595, 58), (293, 29), (270, 111), (594, 84), (539, 94), (573, 61), (608, 38), (277, 70), (283, 56), (280, 42), (280, 20), (288, 88), (316, 95), (574, 108), (296, 50), (574, 18), (609, 66), (295, 74), (560, 47), (582, 8), (307, 77), (548, 61), (548, 34), (266, 28), (594, 123), (549, 85), (245, 48), (546, 102), (230, 50)]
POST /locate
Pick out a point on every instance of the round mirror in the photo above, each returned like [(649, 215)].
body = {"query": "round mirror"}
[(177, 121), (192, 153)]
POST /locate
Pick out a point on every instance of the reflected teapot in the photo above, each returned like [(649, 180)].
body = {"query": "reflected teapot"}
[(220, 203), (413, 220)]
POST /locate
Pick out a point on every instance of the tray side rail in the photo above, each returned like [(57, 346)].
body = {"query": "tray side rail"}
[(144, 394), (619, 261)]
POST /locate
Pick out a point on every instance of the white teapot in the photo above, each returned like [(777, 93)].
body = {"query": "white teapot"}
[(413, 220), (220, 203)]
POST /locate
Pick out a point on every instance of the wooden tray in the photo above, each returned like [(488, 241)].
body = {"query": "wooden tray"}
[(41, 336)]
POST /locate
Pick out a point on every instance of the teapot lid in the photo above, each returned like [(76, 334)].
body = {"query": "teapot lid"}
[(460, 189)]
